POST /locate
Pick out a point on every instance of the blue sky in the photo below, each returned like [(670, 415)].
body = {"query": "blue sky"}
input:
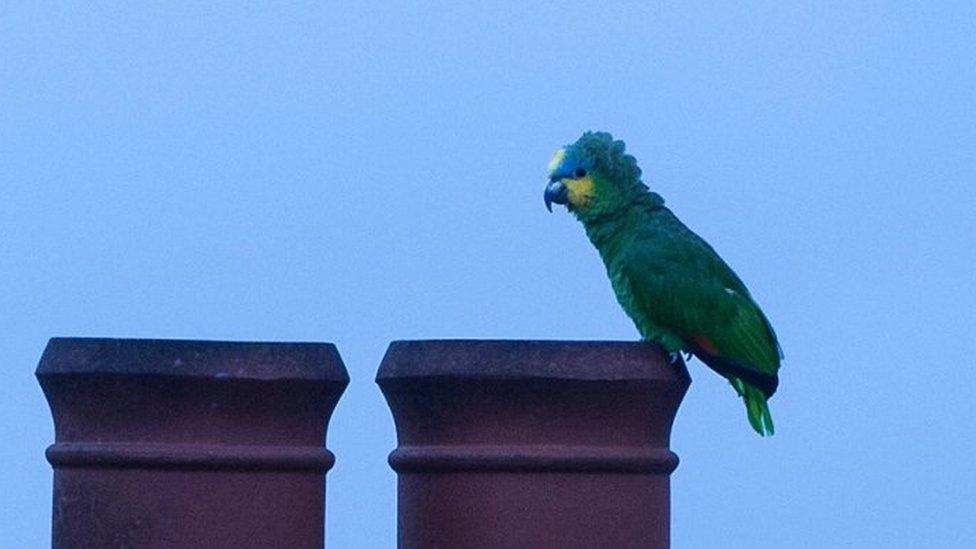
[(363, 172)]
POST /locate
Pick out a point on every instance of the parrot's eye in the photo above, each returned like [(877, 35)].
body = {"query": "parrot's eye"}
[(580, 172)]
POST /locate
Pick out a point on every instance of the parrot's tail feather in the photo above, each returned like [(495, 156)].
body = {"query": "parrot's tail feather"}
[(756, 407), (732, 369)]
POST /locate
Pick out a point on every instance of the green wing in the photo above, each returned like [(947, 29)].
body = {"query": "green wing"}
[(683, 286)]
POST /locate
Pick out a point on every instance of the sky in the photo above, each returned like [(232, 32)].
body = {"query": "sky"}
[(363, 172)]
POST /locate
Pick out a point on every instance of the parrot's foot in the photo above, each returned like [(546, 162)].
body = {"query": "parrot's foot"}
[(674, 357)]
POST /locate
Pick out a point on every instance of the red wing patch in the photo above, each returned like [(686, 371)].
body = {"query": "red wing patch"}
[(705, 344)]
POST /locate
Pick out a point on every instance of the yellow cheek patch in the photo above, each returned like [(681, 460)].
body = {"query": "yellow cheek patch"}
[(557, 159), (580, 192)]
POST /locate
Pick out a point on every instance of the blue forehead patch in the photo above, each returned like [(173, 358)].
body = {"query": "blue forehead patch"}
[(566, 161)]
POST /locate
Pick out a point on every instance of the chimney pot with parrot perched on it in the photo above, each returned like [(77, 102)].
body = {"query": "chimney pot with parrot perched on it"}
[(532, 443)]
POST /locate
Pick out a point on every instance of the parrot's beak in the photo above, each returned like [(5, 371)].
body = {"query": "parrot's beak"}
[(555, 192)]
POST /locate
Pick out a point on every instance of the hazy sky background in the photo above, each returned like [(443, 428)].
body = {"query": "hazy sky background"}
[(365, 171)]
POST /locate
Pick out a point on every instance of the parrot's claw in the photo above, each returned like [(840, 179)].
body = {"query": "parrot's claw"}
[(688, 356), (674, 358)]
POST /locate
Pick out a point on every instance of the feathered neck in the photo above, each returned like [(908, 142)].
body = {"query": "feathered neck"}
[(609, 231)]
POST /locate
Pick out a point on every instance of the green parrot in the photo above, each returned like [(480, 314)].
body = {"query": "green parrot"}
[(677, 290)]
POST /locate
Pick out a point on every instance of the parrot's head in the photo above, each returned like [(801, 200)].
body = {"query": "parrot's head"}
[(593, 177)]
